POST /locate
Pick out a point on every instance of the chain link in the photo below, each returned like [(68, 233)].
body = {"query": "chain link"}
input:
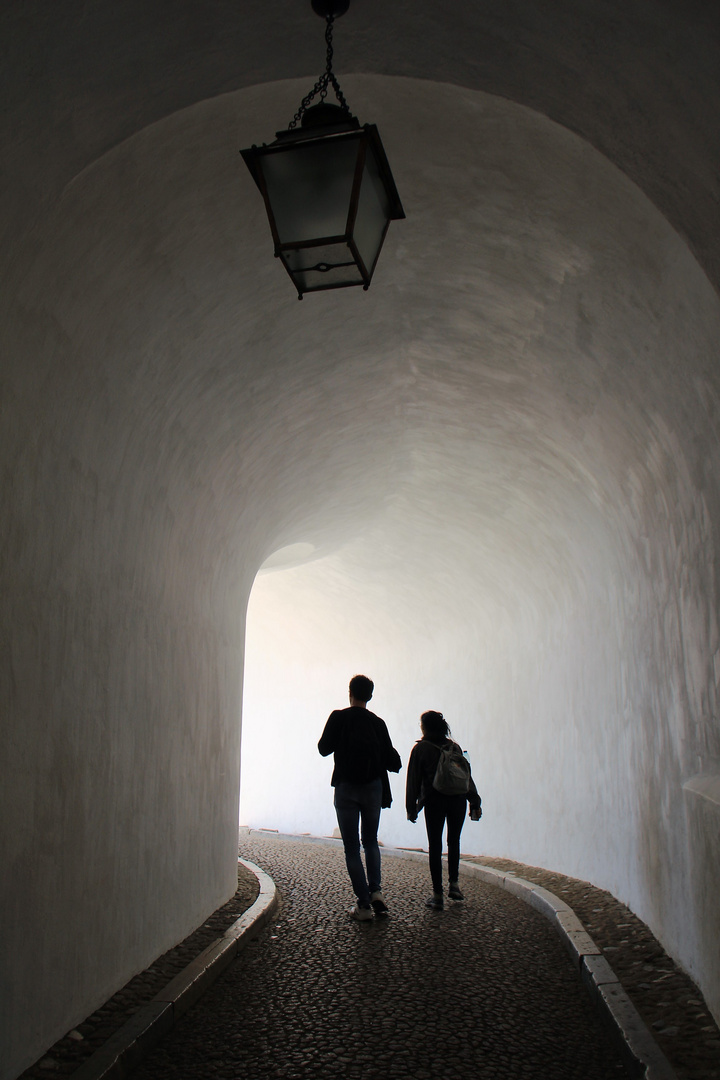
[(321, 86)]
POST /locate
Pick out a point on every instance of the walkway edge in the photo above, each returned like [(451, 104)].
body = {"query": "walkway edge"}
[(122, 1053), (645, 1057)]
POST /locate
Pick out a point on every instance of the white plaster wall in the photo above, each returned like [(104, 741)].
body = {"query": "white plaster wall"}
[(510, 439)]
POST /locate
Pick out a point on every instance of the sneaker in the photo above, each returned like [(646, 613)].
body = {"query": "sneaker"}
[(435, 902), (361, 912), (454, 891), (378, 903)]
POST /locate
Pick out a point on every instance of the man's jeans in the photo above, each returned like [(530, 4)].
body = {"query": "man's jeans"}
[(359, 804)]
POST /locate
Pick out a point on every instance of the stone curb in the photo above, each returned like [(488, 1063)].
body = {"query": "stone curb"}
[(122, 1053), (645, 1058)]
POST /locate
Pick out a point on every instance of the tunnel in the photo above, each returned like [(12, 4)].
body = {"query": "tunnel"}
[(490, 482)]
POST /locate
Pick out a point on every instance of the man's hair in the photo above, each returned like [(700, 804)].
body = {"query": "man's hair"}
[(434, 725), (361, 688)]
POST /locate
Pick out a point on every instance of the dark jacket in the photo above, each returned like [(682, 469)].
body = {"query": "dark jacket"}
[(421, 770), (363, 751)]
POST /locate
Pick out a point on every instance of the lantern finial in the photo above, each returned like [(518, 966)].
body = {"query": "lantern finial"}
[(330, 9)]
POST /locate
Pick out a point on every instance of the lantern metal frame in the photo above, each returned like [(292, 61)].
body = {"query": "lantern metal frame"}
[(325, 128)]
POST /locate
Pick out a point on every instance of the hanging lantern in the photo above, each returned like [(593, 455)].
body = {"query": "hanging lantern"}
[(327, 186)]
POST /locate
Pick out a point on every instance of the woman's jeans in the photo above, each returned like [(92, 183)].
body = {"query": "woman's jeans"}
[(358, 808), (439, 809)]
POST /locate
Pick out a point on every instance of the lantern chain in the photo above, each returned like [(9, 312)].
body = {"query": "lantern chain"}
[(327, 78)]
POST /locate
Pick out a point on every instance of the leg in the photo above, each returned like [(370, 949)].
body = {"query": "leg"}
[(347, 808), (434, 823), (370, 820), (457, 806)]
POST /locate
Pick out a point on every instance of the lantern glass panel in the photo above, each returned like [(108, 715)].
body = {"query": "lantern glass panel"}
[(302, 263), (373, 213), (309, 188)]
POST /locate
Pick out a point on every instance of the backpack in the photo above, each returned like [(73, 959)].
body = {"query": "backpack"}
[(452, 775)]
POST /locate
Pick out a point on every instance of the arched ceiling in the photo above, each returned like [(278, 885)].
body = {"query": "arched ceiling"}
[(517, 351)]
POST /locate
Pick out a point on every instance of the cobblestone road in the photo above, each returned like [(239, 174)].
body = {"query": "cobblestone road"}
[(483, 989)]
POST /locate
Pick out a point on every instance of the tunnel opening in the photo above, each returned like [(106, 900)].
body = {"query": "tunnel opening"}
[(434, 631)]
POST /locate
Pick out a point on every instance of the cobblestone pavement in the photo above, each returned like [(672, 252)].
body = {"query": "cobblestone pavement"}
[(484, 988)]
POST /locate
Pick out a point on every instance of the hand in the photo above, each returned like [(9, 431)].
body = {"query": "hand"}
[(475, 813), (413, 819)]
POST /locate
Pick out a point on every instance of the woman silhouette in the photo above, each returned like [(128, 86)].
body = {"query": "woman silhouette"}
[(420, 794)]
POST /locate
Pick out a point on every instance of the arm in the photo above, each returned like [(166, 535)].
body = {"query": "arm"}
[(393, 762), (412, 787), (473, 798), (391, 758), (328, 739)]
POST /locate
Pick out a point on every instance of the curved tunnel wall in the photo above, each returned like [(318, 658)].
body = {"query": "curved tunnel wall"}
[(515, 428)]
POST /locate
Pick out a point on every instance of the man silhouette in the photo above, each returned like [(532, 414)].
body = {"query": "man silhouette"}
[(363, 754)]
